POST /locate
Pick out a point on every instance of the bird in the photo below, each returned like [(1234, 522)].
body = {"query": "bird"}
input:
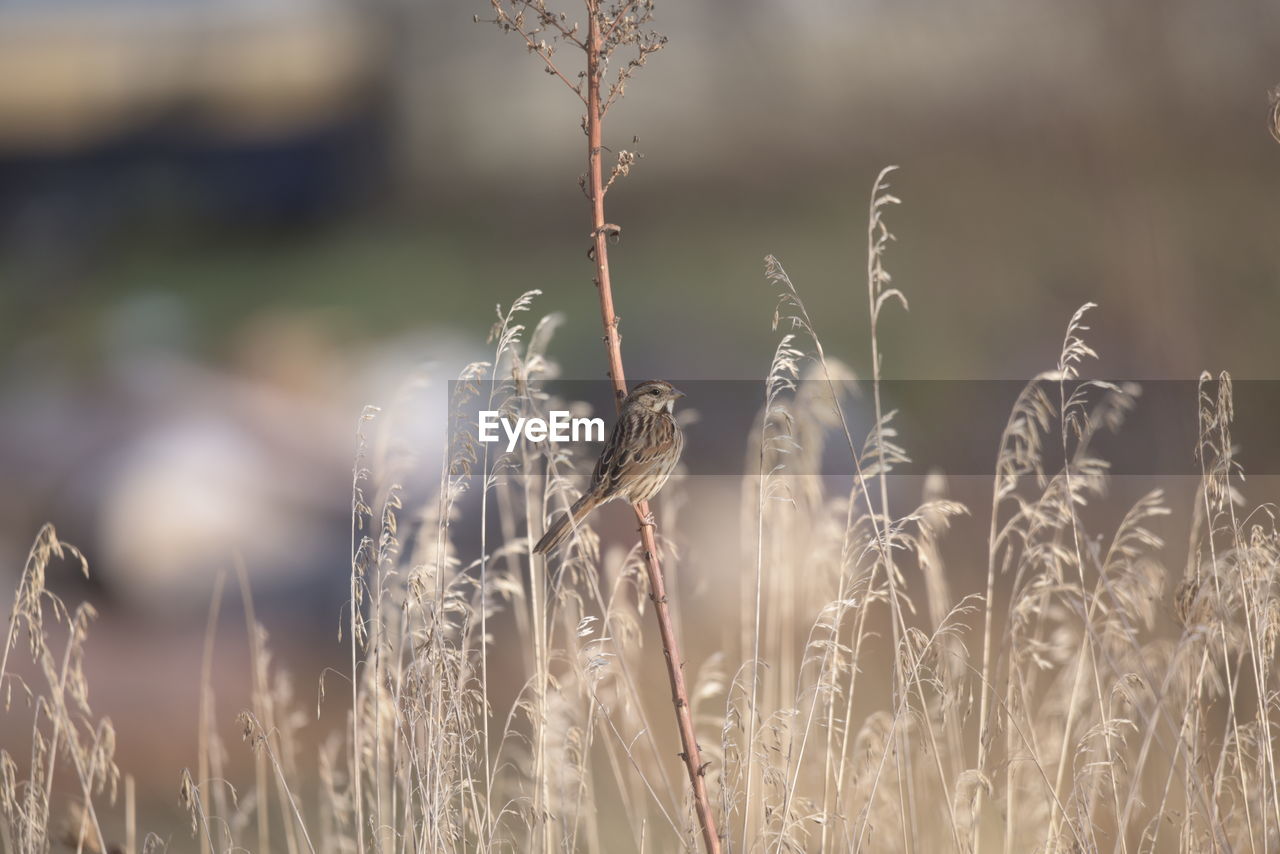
[(641, 453)]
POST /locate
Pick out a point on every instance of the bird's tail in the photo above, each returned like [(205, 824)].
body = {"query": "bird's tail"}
[(564, 525)]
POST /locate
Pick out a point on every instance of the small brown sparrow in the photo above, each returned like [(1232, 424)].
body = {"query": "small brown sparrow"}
[(636, 461)]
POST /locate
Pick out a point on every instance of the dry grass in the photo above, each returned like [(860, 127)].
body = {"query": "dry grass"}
[(863, 700), (1052, 711)]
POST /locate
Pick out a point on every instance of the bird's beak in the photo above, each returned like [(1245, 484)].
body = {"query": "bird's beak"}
[(676, 394)]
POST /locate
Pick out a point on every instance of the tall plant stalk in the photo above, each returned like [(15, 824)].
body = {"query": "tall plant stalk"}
[(610, 26), (600, 230)]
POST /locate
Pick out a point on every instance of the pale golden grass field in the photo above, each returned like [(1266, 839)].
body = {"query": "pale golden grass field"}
[(1097, 693), (1049, 657)]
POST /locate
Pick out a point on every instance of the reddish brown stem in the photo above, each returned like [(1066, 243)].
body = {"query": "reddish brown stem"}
[(691, 755)]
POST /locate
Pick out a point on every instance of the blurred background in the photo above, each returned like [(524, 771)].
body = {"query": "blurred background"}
[(227, 225)]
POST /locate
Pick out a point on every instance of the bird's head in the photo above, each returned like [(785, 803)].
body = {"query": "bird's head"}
[(655, 395)]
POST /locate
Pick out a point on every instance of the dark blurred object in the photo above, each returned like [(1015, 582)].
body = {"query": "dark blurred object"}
[(230, 111)]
